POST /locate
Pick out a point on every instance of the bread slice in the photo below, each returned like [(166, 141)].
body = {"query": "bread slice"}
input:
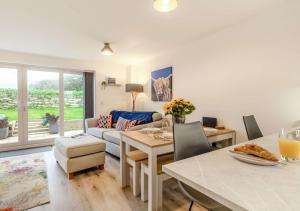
[(253, 149)]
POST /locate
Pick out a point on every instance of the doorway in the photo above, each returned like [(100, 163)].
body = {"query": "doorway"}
[(39, 104)]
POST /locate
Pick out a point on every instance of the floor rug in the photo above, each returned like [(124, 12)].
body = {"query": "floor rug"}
[(23, 182)]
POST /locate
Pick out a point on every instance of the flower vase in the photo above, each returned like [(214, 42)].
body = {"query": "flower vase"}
[(53, 128), (179, 119)]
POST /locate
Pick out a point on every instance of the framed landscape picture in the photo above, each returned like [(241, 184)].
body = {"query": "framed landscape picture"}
[(161, 84)]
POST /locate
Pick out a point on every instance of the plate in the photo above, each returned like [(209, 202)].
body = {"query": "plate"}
[(167, 135), (251, 159), (152, 130)]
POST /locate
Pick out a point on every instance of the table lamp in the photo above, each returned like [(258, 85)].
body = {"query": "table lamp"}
[(134, 89)]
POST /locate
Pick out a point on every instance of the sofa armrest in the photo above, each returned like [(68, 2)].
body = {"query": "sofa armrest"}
[(157, 124), (91, 122)]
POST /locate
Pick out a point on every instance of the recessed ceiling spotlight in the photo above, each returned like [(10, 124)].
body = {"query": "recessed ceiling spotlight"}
[(106, 50), (165, 5)]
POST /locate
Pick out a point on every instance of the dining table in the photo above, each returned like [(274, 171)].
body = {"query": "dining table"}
[(155, 147), (239, 185)]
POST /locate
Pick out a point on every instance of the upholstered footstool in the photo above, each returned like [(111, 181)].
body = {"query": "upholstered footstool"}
[(76, 154)]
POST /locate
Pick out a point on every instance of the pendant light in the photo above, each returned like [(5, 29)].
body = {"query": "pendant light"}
[(106, 50), (165, 5)]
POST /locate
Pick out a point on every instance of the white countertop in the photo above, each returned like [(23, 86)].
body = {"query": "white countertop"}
[(242, 186)]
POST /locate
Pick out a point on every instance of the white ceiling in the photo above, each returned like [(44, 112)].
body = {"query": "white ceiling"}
[(78, 28)]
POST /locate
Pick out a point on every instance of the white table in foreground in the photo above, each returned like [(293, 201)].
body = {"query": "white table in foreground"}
[(242, 186)]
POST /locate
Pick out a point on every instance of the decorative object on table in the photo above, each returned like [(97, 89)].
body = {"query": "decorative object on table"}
[(289, 146), (52, 121), (134, 89), (24, 182), (4, 129), (161, 84), (178, 108), (105, 121), (209, 122), (165, 125), (165, 5), (167, 135), (106, 50)]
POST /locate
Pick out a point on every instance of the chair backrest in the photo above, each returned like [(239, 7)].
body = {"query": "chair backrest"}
[(189, 140), (252, 128)]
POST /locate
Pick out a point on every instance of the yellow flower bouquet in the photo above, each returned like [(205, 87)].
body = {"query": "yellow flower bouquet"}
[(178, 107)]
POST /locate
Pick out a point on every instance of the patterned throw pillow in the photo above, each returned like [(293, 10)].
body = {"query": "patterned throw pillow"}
[(105, 121), (122, 124), (132, 124), (140, 122)]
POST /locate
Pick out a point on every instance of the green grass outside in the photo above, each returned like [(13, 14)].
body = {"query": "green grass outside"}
[(37, 113)]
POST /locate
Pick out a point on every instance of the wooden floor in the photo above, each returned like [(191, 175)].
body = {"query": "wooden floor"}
[(99, 190)]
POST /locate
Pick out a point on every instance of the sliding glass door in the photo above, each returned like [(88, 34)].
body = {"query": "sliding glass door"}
[(43, 105), (9, 109), (73, 104), (39, 104)]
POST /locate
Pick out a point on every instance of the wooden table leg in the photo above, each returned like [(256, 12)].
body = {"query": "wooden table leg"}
[(123, 164), (152, 183), (71, 176)]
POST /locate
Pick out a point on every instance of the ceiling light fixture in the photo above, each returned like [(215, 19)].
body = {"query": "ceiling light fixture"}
[(165, 5), (106, 50)]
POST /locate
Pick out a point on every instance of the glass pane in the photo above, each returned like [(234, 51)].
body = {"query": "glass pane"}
[(73, 109), (43, 105), (8, 106)]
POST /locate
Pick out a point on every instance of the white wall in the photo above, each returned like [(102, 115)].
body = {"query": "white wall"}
[(251, 68), (106, 100)]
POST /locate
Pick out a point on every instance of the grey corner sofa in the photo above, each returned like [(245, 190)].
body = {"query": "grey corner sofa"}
[(112, 136)]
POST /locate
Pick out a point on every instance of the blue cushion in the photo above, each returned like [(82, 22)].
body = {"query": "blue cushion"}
[(144, 116)]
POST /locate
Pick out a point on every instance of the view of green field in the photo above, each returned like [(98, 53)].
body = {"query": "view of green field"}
[(70, 113)]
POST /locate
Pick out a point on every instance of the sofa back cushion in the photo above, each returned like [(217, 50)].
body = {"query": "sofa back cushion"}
[(105, 121), (156, 116), (141, 116), (122, 124)]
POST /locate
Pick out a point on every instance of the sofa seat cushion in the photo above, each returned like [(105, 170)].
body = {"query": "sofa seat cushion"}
[(98, 132), (83, 145), (112, 136)]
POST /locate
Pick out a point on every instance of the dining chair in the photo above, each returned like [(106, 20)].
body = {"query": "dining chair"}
[(160, 178), (189, 141), (134, 159), (252, 128)]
